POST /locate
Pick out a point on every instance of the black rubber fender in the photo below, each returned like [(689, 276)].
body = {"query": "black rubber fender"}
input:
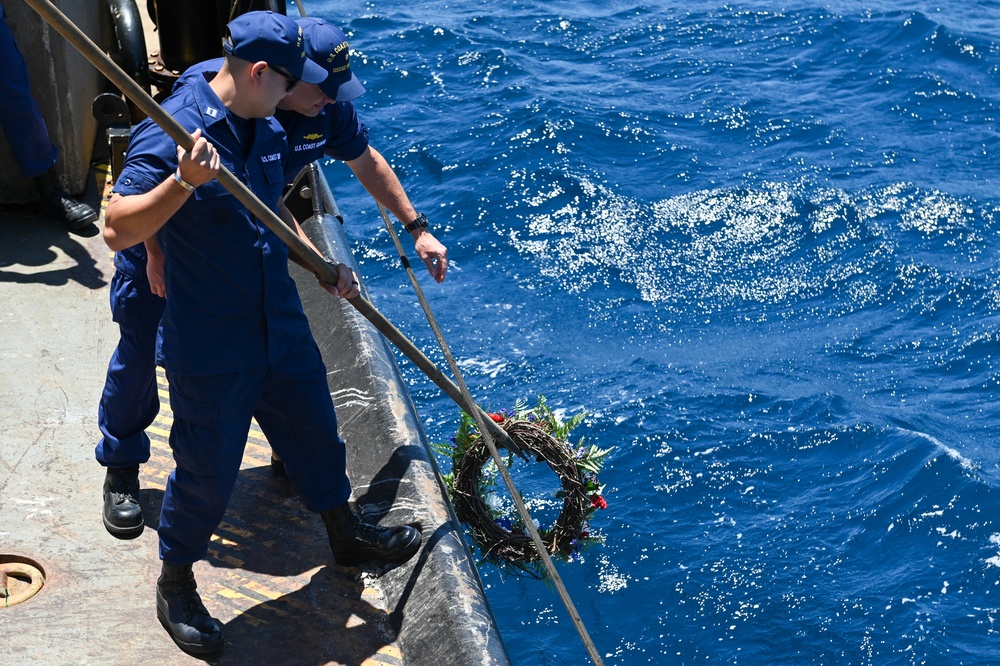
[(126, 44)]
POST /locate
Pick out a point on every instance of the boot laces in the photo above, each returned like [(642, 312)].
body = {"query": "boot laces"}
[(122, 498), (360, 526), (367, 532), (120, 488), (188, 589)]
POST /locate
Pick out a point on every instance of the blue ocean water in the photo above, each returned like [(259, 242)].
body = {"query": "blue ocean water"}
[(759, 243)]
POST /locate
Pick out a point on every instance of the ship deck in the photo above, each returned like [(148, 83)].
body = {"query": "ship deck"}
[(269, 576)]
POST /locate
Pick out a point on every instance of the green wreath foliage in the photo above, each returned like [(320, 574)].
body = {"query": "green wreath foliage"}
[(496, 528)]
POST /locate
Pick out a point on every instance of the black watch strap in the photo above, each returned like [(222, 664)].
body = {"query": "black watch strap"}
[(419, 223)]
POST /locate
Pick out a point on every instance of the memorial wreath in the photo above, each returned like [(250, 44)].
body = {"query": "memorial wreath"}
[(496, 527)]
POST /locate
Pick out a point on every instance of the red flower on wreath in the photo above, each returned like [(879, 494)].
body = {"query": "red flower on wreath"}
[(497, 417), (598, 502)]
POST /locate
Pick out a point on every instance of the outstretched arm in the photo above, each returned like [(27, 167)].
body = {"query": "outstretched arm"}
[(381, 182)]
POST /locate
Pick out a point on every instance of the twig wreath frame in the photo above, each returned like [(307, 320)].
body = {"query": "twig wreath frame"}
[(499, 534)]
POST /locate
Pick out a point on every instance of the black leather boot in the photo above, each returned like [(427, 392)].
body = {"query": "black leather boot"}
[(60, 206), (182, 613), (122, 513), (354, 541)]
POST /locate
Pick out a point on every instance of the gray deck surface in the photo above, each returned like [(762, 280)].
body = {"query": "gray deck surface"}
[(270, 577)]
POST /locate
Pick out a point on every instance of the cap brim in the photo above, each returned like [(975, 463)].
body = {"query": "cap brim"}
[(312, 72), (343, 92)]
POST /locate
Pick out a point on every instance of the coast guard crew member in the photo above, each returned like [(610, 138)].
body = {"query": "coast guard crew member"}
[(326, 111), (318, 119), (321, 120), (233, 338)]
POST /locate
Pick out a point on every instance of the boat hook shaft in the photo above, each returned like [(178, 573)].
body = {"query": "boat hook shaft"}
[(314, 261)]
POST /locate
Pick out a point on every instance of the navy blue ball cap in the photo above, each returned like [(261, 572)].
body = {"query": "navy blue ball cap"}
[(272, 38), (327, 45)]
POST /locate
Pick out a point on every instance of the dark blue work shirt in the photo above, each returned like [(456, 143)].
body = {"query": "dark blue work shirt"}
[(231, 304), (132, 261), (336, 131)]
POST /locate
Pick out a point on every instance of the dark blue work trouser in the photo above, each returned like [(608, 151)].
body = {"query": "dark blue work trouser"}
[(211, 421), (20, 117), (130, 402)]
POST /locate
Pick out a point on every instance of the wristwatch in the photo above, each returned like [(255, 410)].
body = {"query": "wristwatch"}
[(419, 223)]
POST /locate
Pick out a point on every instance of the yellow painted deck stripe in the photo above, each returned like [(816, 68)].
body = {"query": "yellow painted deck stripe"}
[(229, 537)]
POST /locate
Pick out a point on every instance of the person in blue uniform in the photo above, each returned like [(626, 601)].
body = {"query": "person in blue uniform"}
[(319, 120), (25, 129), (326, 111), (233, 338)]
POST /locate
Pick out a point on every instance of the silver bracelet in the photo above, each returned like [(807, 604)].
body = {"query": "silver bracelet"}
[(186, 185)]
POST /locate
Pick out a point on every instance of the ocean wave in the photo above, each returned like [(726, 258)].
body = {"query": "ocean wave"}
[(776, 244), (759, 244)]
